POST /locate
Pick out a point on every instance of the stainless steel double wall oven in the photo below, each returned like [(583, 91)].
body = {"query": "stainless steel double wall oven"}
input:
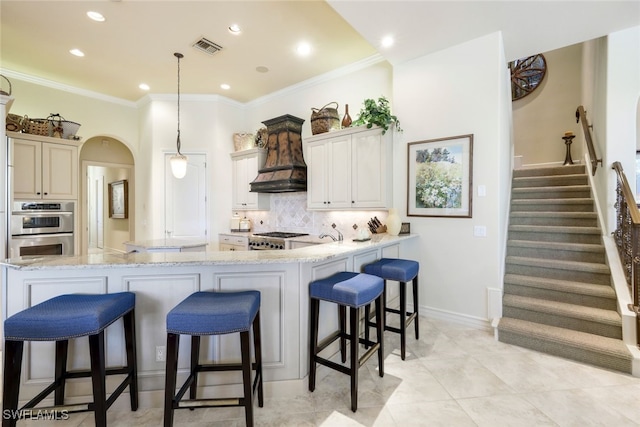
[(42, 228)]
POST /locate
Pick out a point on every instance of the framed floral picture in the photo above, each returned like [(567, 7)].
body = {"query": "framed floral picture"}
[(439, 174), (118, 199)]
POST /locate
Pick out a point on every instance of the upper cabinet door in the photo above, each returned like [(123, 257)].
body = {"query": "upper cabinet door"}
[(27, 169), (339, 173), (59, 172), (371, 161)]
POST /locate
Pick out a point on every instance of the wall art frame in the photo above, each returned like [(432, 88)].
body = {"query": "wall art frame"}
[(119, 199), (439, 177)]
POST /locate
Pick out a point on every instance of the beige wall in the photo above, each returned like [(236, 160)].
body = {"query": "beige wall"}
[(541, 118)]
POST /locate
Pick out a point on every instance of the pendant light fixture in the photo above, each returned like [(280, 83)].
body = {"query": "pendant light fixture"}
[(178, 161)]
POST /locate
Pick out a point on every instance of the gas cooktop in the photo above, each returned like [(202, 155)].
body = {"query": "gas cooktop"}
[(280, 234)]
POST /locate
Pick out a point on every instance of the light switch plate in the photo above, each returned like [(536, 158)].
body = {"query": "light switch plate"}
[(480, 231)]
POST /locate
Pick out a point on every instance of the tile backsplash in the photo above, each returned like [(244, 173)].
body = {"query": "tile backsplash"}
[(289, 213)]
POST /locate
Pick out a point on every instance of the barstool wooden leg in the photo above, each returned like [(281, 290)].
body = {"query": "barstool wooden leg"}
[(415, 306), (62, 349), (257, 348), (384, 305), (98, 371), (379, 335), (129, 321), (11, 383), (171, 372), (313, 341), (355, 363), (246, 377), (342, 319), (367, 317), (403, 319), (195, 360)]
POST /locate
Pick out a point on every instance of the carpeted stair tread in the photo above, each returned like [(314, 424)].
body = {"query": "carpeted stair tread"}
[(569, 201), (590, 267), (550, 188), (579, 341), (551, 170), (549, 180), (545, 214), (561, 285), (575, 247), (555, 229), (606, 317)]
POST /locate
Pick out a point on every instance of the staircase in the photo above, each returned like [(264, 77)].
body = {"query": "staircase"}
[(558, 296)]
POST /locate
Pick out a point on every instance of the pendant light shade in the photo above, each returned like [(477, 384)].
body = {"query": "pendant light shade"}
[(178, 165), (178, 161)]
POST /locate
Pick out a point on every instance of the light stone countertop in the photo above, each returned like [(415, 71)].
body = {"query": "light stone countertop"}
[(312, 253)]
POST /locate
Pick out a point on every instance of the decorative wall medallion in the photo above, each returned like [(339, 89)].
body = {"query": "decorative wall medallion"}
[(526, 75)]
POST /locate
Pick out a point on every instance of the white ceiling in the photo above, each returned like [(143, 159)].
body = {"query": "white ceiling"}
[(137, 42)]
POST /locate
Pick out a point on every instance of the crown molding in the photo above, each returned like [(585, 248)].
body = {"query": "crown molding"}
[(66, 88)]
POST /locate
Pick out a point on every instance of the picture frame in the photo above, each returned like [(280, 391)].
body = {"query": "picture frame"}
[(119, 199), (439, 177)]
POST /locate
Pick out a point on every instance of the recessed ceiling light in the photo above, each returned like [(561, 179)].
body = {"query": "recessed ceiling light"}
[(235, 29), (387, 41), (225, 86), (96, 16), (262, 69), (76, 52), (144, 86), (303, 49)]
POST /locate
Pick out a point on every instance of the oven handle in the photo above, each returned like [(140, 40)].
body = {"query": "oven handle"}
[(40, 235)]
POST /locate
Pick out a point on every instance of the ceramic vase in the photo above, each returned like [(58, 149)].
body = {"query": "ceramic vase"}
[(346, 120), (393, 222)]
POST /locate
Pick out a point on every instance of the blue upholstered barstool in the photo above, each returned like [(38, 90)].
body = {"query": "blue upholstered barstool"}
[(353, 290), (60, 319), (214, 313), (402, 271)]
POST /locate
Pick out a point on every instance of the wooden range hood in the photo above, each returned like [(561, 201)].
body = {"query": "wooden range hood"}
[(284, 169)]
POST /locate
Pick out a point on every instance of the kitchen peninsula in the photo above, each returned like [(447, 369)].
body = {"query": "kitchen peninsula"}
[(160, 280), (166, 245)]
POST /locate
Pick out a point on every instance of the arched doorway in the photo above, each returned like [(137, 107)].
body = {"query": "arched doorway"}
[(105, 163)]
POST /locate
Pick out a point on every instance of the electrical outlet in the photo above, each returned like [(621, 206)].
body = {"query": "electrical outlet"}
[(161, 353)]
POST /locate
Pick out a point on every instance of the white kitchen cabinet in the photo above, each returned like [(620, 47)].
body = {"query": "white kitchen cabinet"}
[(43, 169), (245, 166), (231, 242), (349, 169)]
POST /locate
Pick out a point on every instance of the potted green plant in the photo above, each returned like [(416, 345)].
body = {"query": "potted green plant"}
[(378, 114)]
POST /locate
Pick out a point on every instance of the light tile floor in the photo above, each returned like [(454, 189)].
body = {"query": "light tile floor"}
[(452, 376)]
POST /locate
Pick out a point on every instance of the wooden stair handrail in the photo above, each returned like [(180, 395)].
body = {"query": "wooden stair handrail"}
[(586, 128), (634, 212)]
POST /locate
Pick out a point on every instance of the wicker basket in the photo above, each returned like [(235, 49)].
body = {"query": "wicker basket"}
[(14, 122), (325, 119), (36, 126)]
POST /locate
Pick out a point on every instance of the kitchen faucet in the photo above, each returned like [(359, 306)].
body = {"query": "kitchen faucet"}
[(323, 235), (340, 236)]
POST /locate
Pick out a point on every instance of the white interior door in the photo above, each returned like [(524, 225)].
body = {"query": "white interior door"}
[(185, 200)]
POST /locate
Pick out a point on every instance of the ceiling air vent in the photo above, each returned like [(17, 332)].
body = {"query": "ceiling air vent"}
[(207, 46)]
